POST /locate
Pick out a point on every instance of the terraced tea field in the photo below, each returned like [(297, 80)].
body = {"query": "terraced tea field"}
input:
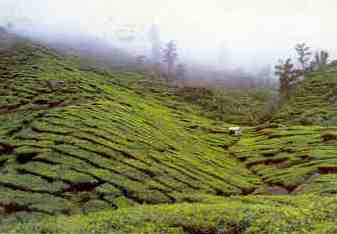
[(90, 143), (300, 159), (89, 151), (313, 102), (210, 215)]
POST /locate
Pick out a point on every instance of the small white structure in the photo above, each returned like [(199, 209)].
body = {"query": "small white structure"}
[(236, 131)]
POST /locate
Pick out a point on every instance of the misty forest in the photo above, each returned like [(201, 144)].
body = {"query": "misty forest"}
[(168, 117)]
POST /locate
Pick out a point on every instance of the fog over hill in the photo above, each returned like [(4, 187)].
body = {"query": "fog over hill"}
[(220, 34)]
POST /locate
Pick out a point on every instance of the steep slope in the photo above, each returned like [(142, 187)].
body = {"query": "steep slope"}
[(73, 140), (313, 102)]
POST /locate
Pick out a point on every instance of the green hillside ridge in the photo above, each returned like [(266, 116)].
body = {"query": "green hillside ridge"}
[(314, 100), (92, 140), (301, 159), (90, 151), (244, 107)]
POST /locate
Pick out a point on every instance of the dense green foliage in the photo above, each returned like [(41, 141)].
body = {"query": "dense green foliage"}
[(300, 159), (313, 101), (210, 215), (87, 151), (238, 106), (91, 141)]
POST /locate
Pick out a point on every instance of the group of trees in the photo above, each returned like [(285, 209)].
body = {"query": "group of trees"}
[(163, 59), (289, 73), (169, 56), (287, 76)]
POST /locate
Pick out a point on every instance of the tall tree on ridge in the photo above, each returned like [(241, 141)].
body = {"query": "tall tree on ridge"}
[(170, 56), (180, 73), (321, 59), (304, 53), (287, 76)]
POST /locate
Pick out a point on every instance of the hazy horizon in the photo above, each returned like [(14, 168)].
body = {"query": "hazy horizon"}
[(224, 34)]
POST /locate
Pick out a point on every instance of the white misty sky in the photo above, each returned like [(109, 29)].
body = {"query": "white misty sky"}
[(249, 32)]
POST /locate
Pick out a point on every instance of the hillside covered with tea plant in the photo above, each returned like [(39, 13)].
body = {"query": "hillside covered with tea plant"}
[(89, 151), (67, 133), (313, 102)]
